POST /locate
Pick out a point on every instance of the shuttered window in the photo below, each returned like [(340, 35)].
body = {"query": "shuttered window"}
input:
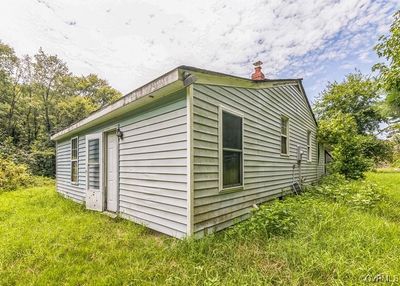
[(232, 149), (284, 135), (74, 160)]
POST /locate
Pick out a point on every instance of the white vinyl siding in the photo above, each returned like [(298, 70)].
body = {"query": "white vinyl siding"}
[(266, 172), (309, 158), (153, 172), (152, 165)]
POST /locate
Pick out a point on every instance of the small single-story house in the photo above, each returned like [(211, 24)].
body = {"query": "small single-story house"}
[(192, 151)]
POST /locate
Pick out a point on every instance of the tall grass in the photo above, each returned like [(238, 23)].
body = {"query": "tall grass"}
[(318, 238)]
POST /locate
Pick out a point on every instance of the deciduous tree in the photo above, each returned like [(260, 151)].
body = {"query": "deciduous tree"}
[(358, 96)]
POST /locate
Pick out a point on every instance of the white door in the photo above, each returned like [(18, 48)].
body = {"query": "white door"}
[(112, 172), (94, 172)]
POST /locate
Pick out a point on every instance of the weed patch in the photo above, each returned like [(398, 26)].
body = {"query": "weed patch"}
[(355, 194), (277, 218)]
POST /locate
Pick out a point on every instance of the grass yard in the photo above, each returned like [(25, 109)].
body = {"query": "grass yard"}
[(332, 239)]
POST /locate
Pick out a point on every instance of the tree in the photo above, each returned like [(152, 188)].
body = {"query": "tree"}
[(10, 75), (30, 103), (95, 89), (349, 115), (358, 96), (73, 109), (49, 71), (340, 132), (395, 139), (389, 72)]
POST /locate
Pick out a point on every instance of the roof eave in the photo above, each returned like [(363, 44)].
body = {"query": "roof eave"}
[(308, 102), (151, 91), (167, 84)]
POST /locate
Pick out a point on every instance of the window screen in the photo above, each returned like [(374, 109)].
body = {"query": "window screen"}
[(74, 160), (94, 164), (284, 135), (232, 150)]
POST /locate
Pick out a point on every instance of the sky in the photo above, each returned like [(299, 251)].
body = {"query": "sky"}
[(129, 43)]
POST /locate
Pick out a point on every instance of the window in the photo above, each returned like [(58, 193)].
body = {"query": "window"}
[(74, 160), (94, 163), (309, 145), (232, 150), (284, 135)]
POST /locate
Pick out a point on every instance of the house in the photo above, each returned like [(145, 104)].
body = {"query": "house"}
[(192, 151)]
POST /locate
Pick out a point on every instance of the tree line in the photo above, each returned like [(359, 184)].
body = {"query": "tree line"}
[(39, 96)]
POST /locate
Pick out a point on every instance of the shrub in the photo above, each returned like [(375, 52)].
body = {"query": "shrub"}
[(40, 157), (350, 159), (355, 194), (18, 155), (353, 153), (42, 162), (13, 175), (42, 181), (271, 219)]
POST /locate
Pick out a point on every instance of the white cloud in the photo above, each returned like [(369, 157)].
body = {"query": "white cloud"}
[(131, 42), (347, 66)]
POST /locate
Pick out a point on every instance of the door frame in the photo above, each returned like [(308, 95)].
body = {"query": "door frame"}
[(95, 195), (105, 163)]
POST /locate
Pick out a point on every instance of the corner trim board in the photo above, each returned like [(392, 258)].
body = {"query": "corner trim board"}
[(190, 160)]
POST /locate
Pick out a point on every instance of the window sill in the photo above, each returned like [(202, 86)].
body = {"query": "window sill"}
[(231, 189), (74, 183), (285, 155)]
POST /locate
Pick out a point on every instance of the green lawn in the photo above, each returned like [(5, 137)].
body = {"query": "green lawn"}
[(48, 240)]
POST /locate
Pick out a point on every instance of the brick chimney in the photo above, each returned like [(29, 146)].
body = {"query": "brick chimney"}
[(257, 75)]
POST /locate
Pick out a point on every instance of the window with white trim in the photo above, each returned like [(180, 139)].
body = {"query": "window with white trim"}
[(232, 150), (309, 145), (284, 135), (74, 160)]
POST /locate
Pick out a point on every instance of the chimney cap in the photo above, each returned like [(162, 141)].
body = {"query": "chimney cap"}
[(257, 63)]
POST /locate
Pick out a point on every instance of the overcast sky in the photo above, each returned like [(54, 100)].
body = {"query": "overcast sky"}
[(131, 42)]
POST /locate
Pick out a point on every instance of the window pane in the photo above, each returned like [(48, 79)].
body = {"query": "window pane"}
[(232, 131), (284, 126), (308, 138), (284, 145), (93, 151), (232, 169), (74, 171), (74, 149)]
